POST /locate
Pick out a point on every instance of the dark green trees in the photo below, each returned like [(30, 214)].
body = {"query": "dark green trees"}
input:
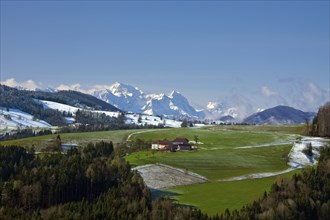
[(321, 123)]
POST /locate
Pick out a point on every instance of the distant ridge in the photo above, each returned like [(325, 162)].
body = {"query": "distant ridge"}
[(27, 102), (280, 115), (74, 98), (132, 99)]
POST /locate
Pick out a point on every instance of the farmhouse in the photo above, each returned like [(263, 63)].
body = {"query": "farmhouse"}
[(176, 144), (182, 144), (162, 145)]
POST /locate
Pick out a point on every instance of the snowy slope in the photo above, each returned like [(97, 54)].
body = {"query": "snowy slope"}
[(173, 105), (59, 106), (131, 99), (70, 109), (151, 120), (122, 96), (216, 111), (15, 118), (130, 117)]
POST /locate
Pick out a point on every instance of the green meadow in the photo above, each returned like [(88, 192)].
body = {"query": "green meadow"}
[(219, 164), (81, 139), (215, 197), (219, 157), (221, 136)]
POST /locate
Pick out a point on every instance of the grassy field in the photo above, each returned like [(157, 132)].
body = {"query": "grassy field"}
[(219, 158), (221, 136), (219, 164), (81, 139), (215, 197)]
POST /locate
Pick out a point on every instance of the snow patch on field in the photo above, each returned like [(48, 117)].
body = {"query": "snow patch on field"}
[(158, 176), (13, 118), (257, 175), (297, 158)]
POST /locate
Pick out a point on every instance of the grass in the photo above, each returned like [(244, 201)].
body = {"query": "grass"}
[(81, 139), (219, 159), (282, 129), (215, 197), (218, 137), (219, 164)]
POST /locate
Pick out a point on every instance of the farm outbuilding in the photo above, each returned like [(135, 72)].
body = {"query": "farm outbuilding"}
[(176, 144)]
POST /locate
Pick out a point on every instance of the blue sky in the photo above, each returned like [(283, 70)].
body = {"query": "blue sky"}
[(267, 52)]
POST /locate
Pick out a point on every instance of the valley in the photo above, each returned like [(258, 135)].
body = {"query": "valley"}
[(216, 176)]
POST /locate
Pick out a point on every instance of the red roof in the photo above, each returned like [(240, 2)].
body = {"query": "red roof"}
[(165, 142), (183, 140)]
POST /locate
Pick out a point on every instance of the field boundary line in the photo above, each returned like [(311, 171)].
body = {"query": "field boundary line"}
[(139, 132)]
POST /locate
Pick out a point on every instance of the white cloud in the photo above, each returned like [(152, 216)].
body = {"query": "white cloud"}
[(312, 94), (29, 84), (75, 87), (267, 92), (305, 95)]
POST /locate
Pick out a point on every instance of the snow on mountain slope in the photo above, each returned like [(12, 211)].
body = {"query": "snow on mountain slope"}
[(151, 120), (70, 109), (122, 96), (14, 118), (215, 110), (173, 105), (131, 99), (130, 117), (59, 106)]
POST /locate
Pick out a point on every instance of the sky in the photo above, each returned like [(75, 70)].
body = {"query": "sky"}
[(256, 53)]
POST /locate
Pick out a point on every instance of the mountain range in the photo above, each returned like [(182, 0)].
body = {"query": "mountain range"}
[(131, 99), (280, 115), (119, 96)]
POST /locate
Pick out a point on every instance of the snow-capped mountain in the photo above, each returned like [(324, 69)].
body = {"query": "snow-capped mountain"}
[(215, 110), (173, 105), (131, 99), (124, 97)]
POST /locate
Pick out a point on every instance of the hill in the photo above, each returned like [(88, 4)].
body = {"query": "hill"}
[(25, 100), (280, 115)]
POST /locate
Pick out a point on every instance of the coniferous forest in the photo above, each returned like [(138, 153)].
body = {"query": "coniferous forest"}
[(321, 123)]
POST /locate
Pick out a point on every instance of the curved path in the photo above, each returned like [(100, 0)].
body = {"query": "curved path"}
[(139, 132)]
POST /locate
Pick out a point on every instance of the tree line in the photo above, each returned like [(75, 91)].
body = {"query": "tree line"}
[(24, 133), (321, 123)]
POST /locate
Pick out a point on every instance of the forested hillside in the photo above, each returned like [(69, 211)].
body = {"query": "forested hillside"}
[(24, 101), (321, 123)]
